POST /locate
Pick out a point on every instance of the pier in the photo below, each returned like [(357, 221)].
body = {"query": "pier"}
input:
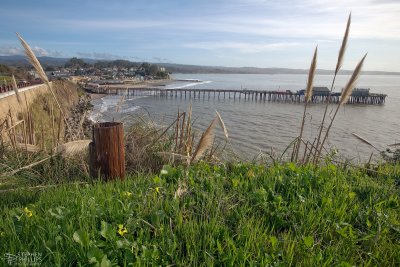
[(248, 95)]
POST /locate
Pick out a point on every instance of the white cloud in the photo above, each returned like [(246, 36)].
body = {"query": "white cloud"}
[(99, 55), (39, 51), (240, 46), (309, 19)]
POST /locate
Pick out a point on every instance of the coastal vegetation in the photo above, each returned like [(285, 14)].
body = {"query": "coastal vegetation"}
[(227, 215), (180, 204)]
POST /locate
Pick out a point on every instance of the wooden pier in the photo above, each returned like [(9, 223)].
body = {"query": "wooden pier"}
[(248, 95)]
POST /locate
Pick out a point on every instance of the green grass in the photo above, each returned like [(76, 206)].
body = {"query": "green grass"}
[(233, 215)]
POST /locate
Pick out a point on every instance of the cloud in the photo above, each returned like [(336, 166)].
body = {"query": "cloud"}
[(241, 46), (99, 55), (39, 51), (160, 60)]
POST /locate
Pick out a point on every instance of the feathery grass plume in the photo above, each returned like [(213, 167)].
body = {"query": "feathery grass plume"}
[(365, 141), (311, 75), (73, 148), (352, 82), (339, 62), (15, 87), (33, 59), (38, 67), (205, 141), (308, 95), (343, 99), (222, 124), (344, 45)]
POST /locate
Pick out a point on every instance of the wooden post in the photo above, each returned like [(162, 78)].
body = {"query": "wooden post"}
[(107, 154)]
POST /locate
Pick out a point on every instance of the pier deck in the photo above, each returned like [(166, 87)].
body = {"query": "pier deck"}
[(254, 95)]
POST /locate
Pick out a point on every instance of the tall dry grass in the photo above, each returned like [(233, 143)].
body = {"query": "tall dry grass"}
[(308, 97), (346, 93), (313, 150), (39, 70), (339, 63)]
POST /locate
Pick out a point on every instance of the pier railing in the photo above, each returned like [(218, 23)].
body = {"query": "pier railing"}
[(253, 95)]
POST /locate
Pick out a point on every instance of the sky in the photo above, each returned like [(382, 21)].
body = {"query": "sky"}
[(234, 33)]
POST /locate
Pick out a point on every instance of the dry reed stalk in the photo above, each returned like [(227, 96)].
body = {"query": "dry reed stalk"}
[(31, 128), (59, 128), (39, 70), (174, 156), (188, 137), (42, 136), (305, 152), (162, 134), (13, 130), (181, 141), (177, 131), (365, 141), (11, 136), (395, 144), (222, 124), (205, 141), (53, 130), (15, 125), (343, 100), (24, 167), (308, 96), (25, 134), (73, 148), (121, 100), (307, 159), (80, 126), (28, 147), (339, 62), (15, 87)]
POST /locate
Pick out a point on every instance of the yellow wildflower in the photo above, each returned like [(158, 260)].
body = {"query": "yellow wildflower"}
[(126, 194), (122, 230), (250, 174), (28, 212), (157, 190)]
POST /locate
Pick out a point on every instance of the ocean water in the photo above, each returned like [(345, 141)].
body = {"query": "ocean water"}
[(261, 127)]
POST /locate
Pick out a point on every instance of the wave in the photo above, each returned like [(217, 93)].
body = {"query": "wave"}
[(189, 85)]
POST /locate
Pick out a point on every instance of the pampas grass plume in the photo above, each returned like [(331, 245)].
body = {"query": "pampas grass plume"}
[(33, 59), (311, 75), (343, 46), (205, 142), (352, 82)]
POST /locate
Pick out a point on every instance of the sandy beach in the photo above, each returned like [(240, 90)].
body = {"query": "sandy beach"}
[(142, 84)]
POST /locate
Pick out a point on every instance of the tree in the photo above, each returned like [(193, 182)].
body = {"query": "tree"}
[(153, 69), (75, 63)]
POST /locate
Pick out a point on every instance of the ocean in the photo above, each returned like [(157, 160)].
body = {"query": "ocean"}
[(257, 127)]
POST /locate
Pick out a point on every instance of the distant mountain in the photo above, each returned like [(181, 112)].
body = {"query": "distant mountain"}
[(181, 68), (19, 60)]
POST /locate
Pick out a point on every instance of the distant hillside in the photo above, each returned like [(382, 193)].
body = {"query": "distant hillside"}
[(180, 68), (18, 61)]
